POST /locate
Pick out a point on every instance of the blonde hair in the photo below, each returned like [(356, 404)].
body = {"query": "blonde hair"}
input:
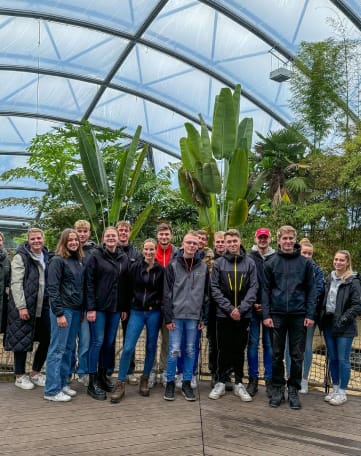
[(286, 229), (35, 230), (82, 224), (349, 271), (153, 241), (232, 232)]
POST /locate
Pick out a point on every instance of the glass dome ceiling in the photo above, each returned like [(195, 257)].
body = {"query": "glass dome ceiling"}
[(156, 63)]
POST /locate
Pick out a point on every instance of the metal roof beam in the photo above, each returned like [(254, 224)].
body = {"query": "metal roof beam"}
[(348, 12)]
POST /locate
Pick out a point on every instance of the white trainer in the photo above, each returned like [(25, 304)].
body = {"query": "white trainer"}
[(240, 390), (132, 379), (152, 380), (24, 382), (338, 399), (194, 383), (304, 386), (69, 391), (178, 381), (84, 379), (218, 391), (331, 394), (60, 397), (38, 379)]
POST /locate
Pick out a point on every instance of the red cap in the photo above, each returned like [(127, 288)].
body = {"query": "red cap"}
[(263, 232)]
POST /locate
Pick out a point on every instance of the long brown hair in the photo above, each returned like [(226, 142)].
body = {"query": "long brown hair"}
[(62, 249)]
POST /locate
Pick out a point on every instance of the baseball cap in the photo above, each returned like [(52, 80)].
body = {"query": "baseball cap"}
[(263, 232)]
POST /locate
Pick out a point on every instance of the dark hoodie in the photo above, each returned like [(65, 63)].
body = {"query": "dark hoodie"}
[(289, 285), (234, 284)]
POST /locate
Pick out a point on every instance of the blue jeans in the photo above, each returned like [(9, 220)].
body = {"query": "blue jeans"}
[(137, 320), (62, 343), (339, 352), (187, 328), (83, 349), (180, 360), (252, 350), (102, 335)]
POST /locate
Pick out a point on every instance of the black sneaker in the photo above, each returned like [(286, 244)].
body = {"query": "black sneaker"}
[(269, 388), (293, 398), (276, 398), (169, 391), (252, 386), (187, 391)]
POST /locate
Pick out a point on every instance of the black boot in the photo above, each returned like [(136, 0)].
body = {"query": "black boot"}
[(276, 398), (252, 386), (104, 382), (94, 390), (269, 388), (293, 398)]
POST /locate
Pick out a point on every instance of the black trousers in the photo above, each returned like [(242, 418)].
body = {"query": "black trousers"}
[(232, 338), (293, 325), (41, 335)]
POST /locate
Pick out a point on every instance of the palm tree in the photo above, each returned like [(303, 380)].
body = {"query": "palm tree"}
[(279, 163)]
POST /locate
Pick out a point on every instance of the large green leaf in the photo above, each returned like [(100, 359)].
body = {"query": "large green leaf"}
[(141, 219), (211, 178), (194, 140), (237, 182), (92, 162), (123, 176), (236, 101), (206, 149), (118, 195), (245, 132), (185, 185), (188, 159), (136, 172), (82, 196), (204, 221), (224, 131), (239, 213)]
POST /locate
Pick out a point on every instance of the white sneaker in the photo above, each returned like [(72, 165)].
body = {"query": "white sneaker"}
[(152, 380), (240, 390), (304, 386), (132, 379), (70, 392), (330, 395), (60, 397), (218, 391), (38, 379), (338, 399), (178, 381), (84, 379), (194, 383), (163, 379), (24, 382)]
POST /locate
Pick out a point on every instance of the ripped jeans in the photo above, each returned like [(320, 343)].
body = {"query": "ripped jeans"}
[(187, 329)]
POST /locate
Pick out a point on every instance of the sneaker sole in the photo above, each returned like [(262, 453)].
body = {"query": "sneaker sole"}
[(98, 398), (26, 388), (215, 398), (190, 399), (52, 399), (168, 398)]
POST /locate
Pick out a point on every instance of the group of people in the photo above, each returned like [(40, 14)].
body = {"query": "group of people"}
[(77, 297)]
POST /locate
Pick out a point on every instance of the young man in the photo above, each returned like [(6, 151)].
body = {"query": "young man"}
[(185, 309), (202, 242), (261, 252), (82, 227), (28, 317), (218, 244), (165, 253), (288, 307), (234, 289), (124, 231)]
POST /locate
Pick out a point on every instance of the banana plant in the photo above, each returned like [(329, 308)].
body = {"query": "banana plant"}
[(103, 200), (214, 171)]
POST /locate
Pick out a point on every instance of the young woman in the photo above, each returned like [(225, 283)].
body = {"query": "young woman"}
[(341, 306), (65, 285), (307, 251), (146, 278), (107, 301)]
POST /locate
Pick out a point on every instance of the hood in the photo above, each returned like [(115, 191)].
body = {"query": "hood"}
[(296, 252), (269, 252), (235, 257)]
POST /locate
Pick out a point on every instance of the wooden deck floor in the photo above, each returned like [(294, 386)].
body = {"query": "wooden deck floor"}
[(151, 426)]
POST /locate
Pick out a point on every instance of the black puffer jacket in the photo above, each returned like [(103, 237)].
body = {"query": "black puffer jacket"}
[(147, 286), (65, 283), (348, 307), (234, 284), (20, 333), (132, 252), (289, 285), (107, 281)]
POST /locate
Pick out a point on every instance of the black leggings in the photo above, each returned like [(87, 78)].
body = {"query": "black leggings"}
[(42, 335)]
